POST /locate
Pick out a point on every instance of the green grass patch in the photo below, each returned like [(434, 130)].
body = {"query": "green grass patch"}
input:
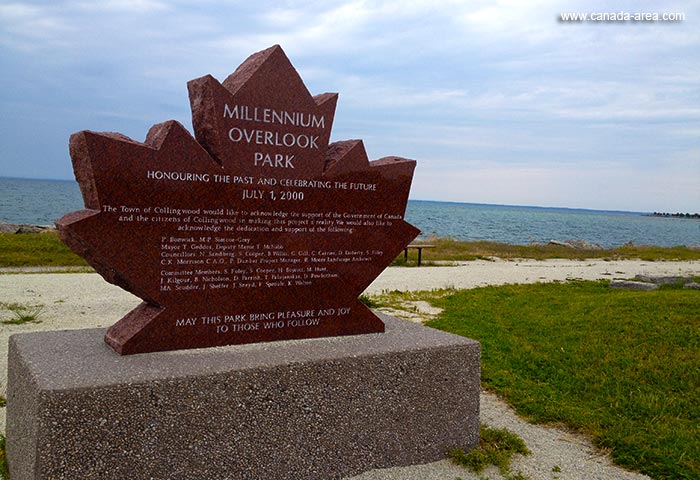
[(397, 299), (4, 470), (46, 249), (496, 447), (368, 301), (620, 366), (20, 313), (36, 249), (448, 249)]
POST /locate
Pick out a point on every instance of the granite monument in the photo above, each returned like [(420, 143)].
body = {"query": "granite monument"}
[(256, 229)]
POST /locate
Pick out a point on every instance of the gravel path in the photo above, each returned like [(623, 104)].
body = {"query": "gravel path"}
[(85, 300), (499, 272), (555, 454)]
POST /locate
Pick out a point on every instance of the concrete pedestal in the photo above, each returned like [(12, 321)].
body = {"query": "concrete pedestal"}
[(306, 409)]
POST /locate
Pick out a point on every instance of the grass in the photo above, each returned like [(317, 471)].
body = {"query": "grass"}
[(46, 249), (620, 366), (36, 249), (4, 470), (368, 301), (397, 299), (496, 447), (448, 249), (412, 261), (21, 314)]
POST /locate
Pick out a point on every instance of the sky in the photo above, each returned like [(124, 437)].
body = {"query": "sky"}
[(498, 101)]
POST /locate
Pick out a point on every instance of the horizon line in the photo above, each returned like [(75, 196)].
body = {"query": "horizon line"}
[(460, 202)]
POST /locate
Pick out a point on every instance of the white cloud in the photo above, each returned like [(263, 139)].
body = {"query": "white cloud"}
[(16, 11), (131, 6), (691, 132), (29, 27), (499, 86), (605, 189)]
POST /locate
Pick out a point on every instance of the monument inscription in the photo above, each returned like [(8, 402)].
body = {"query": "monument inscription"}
[(256, 229)]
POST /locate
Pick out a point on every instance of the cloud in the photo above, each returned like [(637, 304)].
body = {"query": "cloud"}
[(29, 28), (604, 189), (474, 90), (130, 6)]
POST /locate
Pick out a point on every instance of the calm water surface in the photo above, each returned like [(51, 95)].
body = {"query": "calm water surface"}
[(42, 202), (38, 202), (524, 225)]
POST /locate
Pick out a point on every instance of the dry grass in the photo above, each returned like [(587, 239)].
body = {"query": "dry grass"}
[(449, 249)]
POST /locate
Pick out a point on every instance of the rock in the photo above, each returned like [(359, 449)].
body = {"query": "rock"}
[(577, 244), (584, 245), (666, 280), (632, 285), (8, 228), (24, 228), (692, 286), (560, 244), (30, 229)]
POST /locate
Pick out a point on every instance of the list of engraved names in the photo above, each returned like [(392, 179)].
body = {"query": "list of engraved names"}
[(220, 248)]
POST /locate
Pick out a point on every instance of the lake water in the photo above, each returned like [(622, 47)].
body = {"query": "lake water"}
[(41, 202), (525, 225)]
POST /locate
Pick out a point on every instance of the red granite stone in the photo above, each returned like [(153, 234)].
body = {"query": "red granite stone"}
[(255, 230)]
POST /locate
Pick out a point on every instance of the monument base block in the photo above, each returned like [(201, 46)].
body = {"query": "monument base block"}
[(306, 409)]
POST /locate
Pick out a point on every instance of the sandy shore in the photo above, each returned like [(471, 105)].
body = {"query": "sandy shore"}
[(85, 300)]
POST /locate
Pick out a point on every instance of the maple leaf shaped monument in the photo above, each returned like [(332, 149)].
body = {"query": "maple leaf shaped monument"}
[(254, 230)]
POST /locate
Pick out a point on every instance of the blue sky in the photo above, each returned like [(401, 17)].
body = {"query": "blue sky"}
[(498, 101)]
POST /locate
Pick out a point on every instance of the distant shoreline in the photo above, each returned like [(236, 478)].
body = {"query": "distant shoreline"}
[(673, 215)]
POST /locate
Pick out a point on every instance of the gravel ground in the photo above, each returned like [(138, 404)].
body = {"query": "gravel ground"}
[(499, 272), (555, 454), (85, 300)]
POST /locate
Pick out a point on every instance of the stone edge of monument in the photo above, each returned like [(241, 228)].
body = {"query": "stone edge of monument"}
[(317, 408)]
